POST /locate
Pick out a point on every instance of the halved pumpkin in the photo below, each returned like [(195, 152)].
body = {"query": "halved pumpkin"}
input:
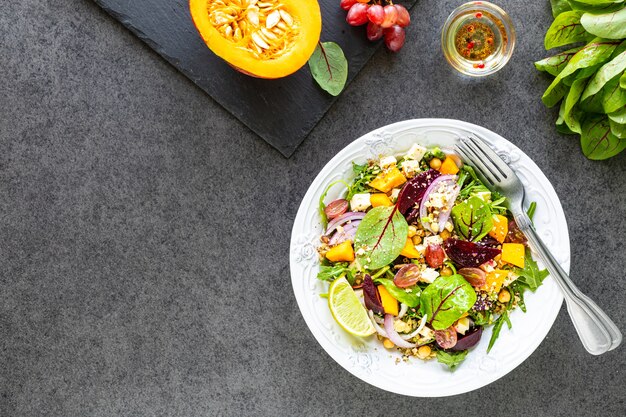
[(262, 38)]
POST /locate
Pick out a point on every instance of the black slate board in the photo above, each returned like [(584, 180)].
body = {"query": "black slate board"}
[(282, 112)]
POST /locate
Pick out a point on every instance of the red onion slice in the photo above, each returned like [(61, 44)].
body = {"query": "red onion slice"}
[(394, 336), (348, 233), (344, 218), (379, 329), (447, 181)]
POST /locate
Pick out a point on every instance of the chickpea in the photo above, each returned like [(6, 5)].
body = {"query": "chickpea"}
[(504, 296), (445, 234), (435, 163), (412, 231), (417, 239), (423, 352), (388, 344), (446, 271)]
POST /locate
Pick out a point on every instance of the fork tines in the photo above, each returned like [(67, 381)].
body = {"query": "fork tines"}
[(484, 159)]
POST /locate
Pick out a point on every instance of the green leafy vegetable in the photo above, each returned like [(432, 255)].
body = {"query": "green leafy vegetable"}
[(495, 333), (322, 206), (329, 67), (446, 299), (596, 6), (332, 272), (380, 237), (554, 65), (608, 25), (452, 359), (619, 116), (559, 6), (565, 29), (619, 130), (607, 72), (531, 276), (614, 97), (571, 113), (597, 140), (364, 175), (531, 210), (408, 296), (473, 219)]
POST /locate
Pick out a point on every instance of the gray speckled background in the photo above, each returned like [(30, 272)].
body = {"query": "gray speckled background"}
[(145, 231)]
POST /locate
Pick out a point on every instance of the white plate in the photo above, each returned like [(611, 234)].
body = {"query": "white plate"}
[(366, 358)]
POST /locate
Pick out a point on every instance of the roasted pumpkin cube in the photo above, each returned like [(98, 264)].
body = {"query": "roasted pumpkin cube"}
[(500, 227), (388, 179), (390, 304), (513, 253)]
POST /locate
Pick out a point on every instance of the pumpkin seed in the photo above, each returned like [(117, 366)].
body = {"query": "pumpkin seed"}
[(268, 35), (286, 17), (272, 19), (228, 31), (258, 40), (253, 17)]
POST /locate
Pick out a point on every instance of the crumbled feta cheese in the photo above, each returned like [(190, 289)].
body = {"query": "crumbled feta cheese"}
[(410, 168), (433, 240), (402, 327), (394, 194), (360, 251), (360, 202), (421, 249), (434, 226), (427, 333), (449, 226), (462, 325), (416, 152), (484, 195), (429, 275), (387, 161), (510, 278)]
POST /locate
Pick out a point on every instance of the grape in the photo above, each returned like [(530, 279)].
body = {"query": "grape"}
[(404, 18), (446, 339), (346, 4), (376, 14), (374, 32), (391, 15), (336, 208), (394, 38), (357, 15), (434, 256), (407, 276), (475, 276)]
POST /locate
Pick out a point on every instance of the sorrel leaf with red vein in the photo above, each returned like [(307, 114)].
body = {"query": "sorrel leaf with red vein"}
[(446, 300), (380, 238)]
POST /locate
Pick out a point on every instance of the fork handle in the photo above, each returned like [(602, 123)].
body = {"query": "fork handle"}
[(596, 330)]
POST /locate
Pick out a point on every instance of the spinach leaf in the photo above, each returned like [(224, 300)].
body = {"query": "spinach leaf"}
[(408, 296), (495, 333), (446, 299), (607, 72), (559, 6), (614, 97), (554, 65), (452, 359), (608, 25), (473, 219), (596, 52), (597, 140), (619, 130), (329, 67), (332, 272), (380, 237), (531, 276), (565, 29), (571, 112)]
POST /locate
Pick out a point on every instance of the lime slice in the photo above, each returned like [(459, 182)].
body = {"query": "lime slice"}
[(347, 309)]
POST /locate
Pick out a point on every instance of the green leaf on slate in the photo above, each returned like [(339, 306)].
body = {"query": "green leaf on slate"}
[(561, 127), (614, 97), (606, 73), (607, 25), (597, 140), (571, 112), (622, 81), (618, 129), (565, 29), (329, 67), (554, 65), (380, 237)]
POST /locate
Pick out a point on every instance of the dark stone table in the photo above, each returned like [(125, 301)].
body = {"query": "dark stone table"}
[(144, 231)]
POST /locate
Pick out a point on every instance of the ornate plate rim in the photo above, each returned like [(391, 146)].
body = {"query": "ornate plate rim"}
[(348, 361)]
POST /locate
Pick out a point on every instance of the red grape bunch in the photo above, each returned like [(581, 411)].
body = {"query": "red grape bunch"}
[(386, 21)]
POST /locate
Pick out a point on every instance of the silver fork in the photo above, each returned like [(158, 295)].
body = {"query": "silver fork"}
[(596, 330)]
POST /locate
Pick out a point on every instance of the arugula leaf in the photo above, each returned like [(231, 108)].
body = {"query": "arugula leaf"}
[(322, 206), (473, 219), (565, 29), (495, 333), (597, 140), (531, 277), (554, 64), (364, 174), (408, 296), (329, 67), (608, 25), (452, 359), (332, 272), (517, 289), (446, 300), (531, 210), (380, 237)]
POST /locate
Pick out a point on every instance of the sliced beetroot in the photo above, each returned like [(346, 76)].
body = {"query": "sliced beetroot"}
[(468, 340), (489, 241), (414, 189), (515, 235), (371, 295), (468, 254)]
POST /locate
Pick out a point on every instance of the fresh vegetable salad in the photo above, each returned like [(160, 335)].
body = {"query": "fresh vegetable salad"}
[(421, 253)]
